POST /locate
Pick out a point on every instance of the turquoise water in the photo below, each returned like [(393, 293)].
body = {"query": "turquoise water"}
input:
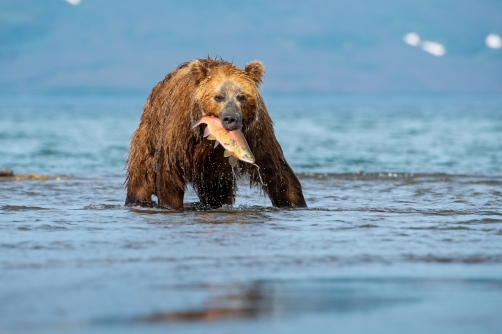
[(79, 136), (403, 231)]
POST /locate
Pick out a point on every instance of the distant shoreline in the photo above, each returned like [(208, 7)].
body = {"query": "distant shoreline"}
[(8, 175)]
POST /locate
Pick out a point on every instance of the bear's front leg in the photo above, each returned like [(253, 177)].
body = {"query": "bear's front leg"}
[(140, 187), (281, 185), (170, 196), (170, 186)]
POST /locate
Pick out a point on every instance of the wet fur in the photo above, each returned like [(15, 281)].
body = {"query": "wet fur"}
[(166, 154)]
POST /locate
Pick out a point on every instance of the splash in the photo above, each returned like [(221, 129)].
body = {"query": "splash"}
[(261, 181), (259, 174)]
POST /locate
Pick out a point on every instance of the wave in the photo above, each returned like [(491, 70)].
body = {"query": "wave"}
[(21, 208), (419, 177)]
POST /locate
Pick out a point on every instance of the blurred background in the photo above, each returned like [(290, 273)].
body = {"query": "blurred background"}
[(318, 46), (390, 113)]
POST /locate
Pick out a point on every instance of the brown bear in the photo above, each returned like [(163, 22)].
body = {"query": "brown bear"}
[(166, 154)]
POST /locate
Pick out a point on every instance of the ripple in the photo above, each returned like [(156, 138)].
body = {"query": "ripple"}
[(48, 227), (440, 228), (409, 177), (21, 208), (481, 221), (465, 259), (104, 207)]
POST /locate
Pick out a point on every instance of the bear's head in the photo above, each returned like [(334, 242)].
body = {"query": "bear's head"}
[(228, 92)]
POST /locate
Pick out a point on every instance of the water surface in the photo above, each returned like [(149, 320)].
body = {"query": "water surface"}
[(403, 232)]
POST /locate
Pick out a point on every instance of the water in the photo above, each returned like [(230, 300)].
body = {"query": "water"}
[(403, 231)]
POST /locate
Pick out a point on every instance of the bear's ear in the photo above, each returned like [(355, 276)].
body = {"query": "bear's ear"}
[(255, 70), (198, 69)]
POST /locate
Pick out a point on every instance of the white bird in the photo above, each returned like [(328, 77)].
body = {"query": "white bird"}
[(493, 41), (74, 2), (433, 48), (412, 39)]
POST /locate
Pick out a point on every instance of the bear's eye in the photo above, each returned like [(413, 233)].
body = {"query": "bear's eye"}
[(219, 98), (241, 98)]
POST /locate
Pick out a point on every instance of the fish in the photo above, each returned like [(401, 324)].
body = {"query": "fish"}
[(235, 144)]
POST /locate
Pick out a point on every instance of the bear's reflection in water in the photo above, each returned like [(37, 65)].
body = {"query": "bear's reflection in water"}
[(278, 299)]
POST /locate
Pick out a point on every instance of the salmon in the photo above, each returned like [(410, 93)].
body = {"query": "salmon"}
[(235, 144)]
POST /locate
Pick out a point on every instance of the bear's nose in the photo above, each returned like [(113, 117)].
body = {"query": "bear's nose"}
[(230, 116), (231, 122)]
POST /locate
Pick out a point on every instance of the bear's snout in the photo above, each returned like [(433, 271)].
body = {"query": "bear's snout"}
[(231, 117)]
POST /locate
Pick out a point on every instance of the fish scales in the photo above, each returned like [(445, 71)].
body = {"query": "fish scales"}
[(234, 142)]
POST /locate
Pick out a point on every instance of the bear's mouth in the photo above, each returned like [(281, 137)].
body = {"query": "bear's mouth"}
[(234, 142)]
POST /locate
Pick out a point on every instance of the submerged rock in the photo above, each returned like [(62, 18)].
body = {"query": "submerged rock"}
[(6, 172), (8, 175)]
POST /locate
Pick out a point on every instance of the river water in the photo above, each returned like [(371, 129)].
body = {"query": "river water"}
[(403, 233)]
